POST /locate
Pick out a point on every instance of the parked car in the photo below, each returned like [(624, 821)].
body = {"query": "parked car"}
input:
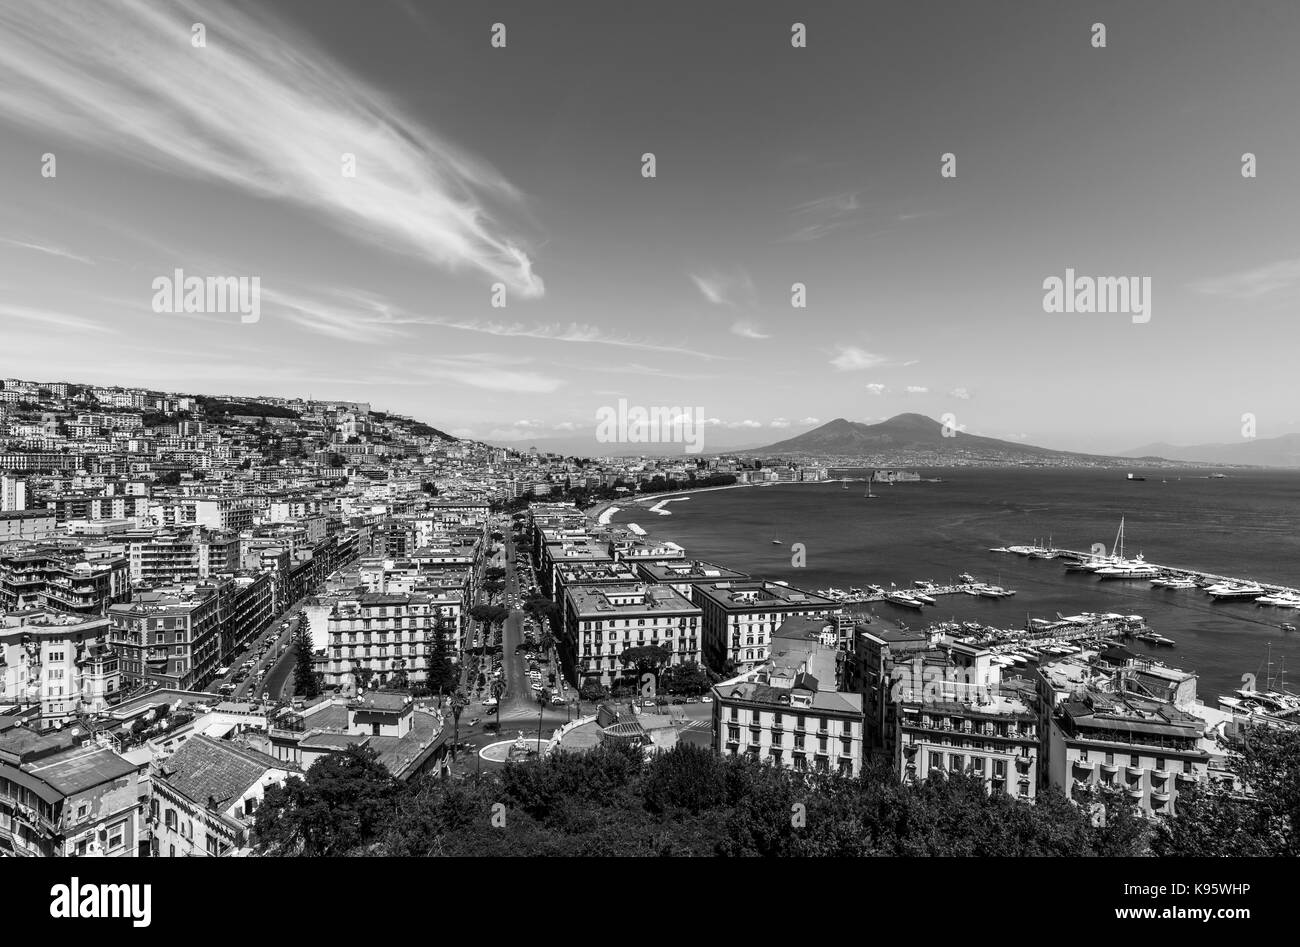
[(707, 699)]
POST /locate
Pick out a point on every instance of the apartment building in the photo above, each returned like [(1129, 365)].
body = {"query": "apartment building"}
[(604, 621), (163, 556), (790, 710), (27, 526), (60, 797), (13, 494), (57, 662), (977, 725), (683, 574), (1108, 728), (203, 797), (389, 636), (739, 617), (76, 577)]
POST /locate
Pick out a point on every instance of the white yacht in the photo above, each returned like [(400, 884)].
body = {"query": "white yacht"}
[(1234, 591)]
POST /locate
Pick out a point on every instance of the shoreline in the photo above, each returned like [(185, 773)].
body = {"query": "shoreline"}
[(599, 510)]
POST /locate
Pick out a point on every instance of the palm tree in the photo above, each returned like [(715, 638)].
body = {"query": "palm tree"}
[(543, 698)]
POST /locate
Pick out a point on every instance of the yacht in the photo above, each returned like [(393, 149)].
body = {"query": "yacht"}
[(1280, 600), (1234, 591), (1136, 568), (1168, 583), (922, 597), (902, 599)]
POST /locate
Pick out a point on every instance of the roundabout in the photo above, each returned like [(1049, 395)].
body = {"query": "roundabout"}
[(519, 750)]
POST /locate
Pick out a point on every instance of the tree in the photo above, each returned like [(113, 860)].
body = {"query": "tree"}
[(647, 659), (342, 804), (442, 674), (592, 690), (689, 679), (305, 682), (1259, 819)]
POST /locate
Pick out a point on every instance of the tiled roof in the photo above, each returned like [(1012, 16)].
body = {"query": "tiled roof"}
[(205, 769)]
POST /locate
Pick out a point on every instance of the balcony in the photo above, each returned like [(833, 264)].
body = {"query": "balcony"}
[(1134, 772), (1186, 778), (1110, 769), (1134, 792), (1160, 795), (1081, 765)]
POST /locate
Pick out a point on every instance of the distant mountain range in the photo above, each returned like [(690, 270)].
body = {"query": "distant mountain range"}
[(910, 433), (1283, 451)]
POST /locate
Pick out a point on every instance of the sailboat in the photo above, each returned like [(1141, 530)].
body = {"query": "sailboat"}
[(868, 495), (777, 542)]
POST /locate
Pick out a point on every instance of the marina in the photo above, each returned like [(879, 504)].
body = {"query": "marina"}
[(1117, 567)]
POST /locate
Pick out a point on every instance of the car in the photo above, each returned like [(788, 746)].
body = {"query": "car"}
[(707, 699), (679, 700), (223, 671), (557, 699), (649, 702)]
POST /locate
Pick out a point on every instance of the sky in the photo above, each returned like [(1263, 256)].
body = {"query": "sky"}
[(521, 167)]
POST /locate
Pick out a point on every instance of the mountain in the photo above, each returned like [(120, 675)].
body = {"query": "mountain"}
[(905, 433), (1283, 451)]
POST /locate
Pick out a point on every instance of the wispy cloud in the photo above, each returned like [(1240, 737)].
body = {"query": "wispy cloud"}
[(572, 332), (45, 248), (836, 212), (876, 388), (261, 110), (747, 330), (850, 358), (960, 393), (48, 317), (916, 390), (1253, 283), (488, 371), (735, 290)]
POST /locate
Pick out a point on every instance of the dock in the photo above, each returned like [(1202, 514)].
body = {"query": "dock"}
[(1166, 571)]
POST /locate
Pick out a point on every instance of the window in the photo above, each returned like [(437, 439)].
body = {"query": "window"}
[(978, 763), (116, 835), (936, 761), (1135, 760), (733, 734), (81, 811), (956, 762), (1160, 764), (1110, 759), (1187, 766), (1000, 768)]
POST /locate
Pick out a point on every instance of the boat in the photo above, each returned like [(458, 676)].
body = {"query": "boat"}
[(1168, 583), (966, 577), (999, 549), (902, 599), (1286, 626), (1234, 591), (1133, 569), (922, 597), (1153, 638), (777, 542), (1135, 478), (1280, 600), (868, 495)]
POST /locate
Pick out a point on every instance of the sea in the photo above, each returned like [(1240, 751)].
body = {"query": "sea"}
[(1244, 525)]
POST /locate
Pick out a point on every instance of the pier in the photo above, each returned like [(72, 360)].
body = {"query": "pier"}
[(1166, 572)]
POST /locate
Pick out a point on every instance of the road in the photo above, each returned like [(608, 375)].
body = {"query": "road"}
[(278, 677)]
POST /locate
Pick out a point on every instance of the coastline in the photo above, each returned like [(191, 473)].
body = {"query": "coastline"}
[(597, 511)]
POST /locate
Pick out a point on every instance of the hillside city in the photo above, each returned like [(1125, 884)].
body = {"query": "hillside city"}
[(212, 606)]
